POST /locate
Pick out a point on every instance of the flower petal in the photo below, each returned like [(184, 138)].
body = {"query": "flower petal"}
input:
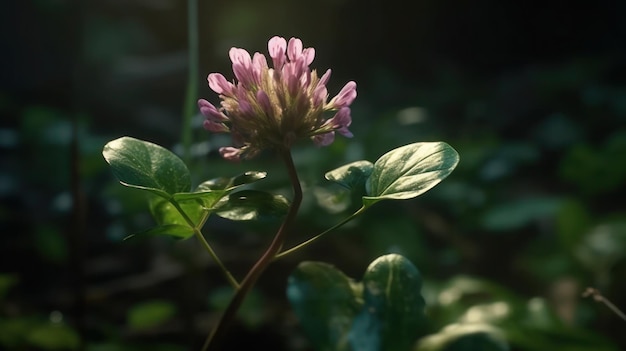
[(230, 153), (324, 139), (294, 49), (219, 84), (345, 96), (215, 127), (211, 112), (341, 121), (277, 47)]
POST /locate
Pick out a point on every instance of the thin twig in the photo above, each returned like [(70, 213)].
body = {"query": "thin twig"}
[(597, 296)]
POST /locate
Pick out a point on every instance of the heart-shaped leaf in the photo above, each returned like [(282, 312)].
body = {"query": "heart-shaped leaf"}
[(392, 316), (409, 171), (352, 176), (177, 231), (325, 301), (384, 312), (144, 165), (249, 205)]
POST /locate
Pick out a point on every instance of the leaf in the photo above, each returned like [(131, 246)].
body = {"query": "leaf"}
[(465, 337), (150, 314), (208, 199), (384, 312), (165, 213), (409, 171), (144, 165), (175, 230), (225, 183), (248, 205), (520, 212), (392, 316), (325, 301), (54, 337), (351, 176)]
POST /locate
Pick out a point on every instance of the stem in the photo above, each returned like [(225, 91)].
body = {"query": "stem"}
[(269, 255), (198, 234), (302, 245), (598, 297), (191, 94), (219, 262)]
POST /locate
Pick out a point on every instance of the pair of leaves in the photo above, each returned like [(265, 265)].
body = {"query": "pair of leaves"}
[(383, 312), (149, 167), (402, 173)]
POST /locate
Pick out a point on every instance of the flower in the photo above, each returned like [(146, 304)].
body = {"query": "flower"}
[(271, 108)]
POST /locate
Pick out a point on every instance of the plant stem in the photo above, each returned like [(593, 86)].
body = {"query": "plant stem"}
[(255, 272), (219, 262), (191, 94), (302, 245), (198, 234)]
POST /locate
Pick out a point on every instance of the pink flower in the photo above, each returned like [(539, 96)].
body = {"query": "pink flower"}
[(271, 108)]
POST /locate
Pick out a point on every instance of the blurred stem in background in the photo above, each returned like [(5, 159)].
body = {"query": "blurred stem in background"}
[(191, 94)]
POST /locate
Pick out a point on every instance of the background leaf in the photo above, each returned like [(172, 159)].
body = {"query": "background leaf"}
[(144, 165), (392, 316), (384, 312), (465, 337), (409, 171), (150, 314), (325, 301)]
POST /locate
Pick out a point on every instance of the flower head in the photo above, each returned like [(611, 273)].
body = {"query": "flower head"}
[(267, 108)]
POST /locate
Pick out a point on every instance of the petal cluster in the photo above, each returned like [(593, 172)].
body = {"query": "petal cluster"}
[(272, 107)]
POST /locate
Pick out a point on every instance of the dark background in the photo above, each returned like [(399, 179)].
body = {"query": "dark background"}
[(531, 95)]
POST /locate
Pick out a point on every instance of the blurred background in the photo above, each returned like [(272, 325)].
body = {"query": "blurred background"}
[(531, 95)]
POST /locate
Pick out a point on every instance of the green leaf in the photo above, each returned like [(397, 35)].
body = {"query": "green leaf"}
[(225, 183), (175, 230), (325, 301), (409, 171), (384, 312), (248, 205), (392, 316), (143, 165), (520, 212), (54, 337), (165, 213), (465, 337), (351, 176), (208, 199), (150, 314)]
